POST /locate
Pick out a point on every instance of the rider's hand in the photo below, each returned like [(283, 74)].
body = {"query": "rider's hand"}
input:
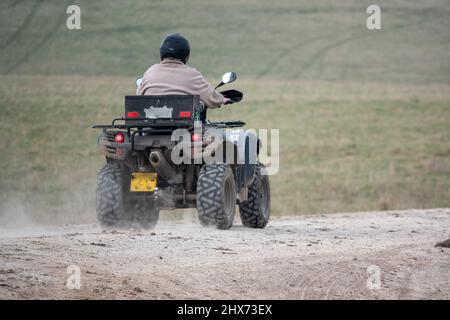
[(226, 100)]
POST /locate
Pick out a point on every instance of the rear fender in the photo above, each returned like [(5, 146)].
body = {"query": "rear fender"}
[(110, 148)]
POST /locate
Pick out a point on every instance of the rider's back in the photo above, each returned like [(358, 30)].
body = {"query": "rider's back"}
[(173, 77)]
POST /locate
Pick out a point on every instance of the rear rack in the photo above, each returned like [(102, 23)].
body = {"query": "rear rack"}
[(160, 123), (229, 124), (146, 126), (156, 126), (147, 123)]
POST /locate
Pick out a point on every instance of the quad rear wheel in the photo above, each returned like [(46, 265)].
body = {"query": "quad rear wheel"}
[(117, 206)]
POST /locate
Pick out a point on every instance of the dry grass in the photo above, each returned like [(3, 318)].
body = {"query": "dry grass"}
[(344, 146)]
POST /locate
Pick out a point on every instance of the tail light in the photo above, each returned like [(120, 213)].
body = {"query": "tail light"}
[(133, 114), (195, 137), (119, 138), (185, 114)]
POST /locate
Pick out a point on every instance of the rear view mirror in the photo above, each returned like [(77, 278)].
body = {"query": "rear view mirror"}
[(138, 82), (227, 78)]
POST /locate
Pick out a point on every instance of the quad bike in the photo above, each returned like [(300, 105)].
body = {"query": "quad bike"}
[(140, 176)]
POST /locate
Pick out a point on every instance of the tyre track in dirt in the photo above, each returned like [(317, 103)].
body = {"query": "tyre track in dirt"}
[(333, 44), (44, 40), (321, 53), (11, 5), (302, 257), (26, 22)]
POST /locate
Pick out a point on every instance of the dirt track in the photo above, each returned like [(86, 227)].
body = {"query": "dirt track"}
[(303, 257)]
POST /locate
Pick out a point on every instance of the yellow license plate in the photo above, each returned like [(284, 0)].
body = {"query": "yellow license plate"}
[(143, 182)]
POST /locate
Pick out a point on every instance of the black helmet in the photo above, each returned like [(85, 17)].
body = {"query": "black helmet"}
[(175, 46)]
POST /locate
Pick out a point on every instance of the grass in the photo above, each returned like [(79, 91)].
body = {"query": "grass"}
[(341, 150), (364, 116), (288, 39)]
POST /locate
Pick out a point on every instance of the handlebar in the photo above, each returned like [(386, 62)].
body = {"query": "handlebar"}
[(233, 95)]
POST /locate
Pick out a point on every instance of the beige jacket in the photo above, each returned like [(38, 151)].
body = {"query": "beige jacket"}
[(174, 77)]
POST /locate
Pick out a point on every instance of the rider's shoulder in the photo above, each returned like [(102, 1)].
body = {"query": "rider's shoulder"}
[(152, 68), (194, 71)]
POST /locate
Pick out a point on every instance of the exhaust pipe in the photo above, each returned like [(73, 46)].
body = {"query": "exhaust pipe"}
[(162, 167)]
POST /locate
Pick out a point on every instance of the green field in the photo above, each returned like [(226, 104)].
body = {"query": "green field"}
[(364, 116)]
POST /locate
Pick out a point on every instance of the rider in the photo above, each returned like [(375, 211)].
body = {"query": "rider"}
[(173, 76)]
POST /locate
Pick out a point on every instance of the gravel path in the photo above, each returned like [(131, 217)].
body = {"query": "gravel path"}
[(370, 255)]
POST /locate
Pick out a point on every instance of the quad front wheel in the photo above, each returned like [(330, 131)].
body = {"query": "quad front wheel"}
[(216, 196), (255, 212)]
